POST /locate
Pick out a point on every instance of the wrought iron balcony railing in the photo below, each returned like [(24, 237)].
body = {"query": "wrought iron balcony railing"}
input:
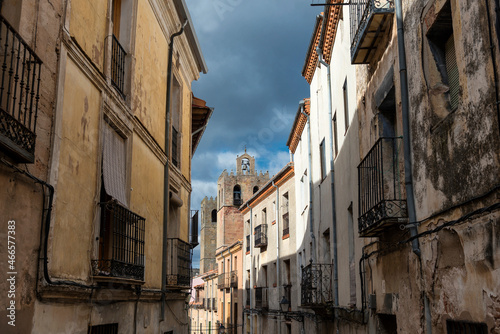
[(121, 243), (261, 235), (261, 300), (317, 283), (224, 281), (178, 264), (382, 198), (19, 94), (234, 279), (118, 55), (370, 20)]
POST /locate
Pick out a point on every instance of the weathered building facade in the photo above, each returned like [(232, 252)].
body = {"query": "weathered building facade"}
[(270, 265), (117, 117)]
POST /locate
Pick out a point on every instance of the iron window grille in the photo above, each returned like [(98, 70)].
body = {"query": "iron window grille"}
[(234, 279), (382, 198), (104, 329), (118, 55), (261, 235), (316, 287), (286, 225), (175, 147), (178, 264), (464, 327), (121, 243), (369, 20), (258, 297), (19, 94)]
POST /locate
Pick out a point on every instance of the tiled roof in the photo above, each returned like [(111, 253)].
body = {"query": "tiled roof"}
[(298, 126), (330, 26)]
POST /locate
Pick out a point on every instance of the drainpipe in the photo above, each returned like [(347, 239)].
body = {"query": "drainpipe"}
[(278, 280), (251, 268), (212, 295), (311, 225), (166, 185), (231, 288), (410, 199), (332, 180)]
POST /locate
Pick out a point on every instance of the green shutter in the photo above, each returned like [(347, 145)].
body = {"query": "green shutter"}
[(452, 71)]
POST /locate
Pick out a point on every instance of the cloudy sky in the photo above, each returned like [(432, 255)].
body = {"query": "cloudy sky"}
[(254, 52)]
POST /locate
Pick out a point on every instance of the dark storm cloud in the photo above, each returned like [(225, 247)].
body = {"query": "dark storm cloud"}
[(254, 51)]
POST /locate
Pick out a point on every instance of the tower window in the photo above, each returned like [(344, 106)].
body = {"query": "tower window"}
[(255, 189), (237, 195), (214, 216)]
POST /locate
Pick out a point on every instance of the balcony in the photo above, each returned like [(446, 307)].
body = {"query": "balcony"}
[(224, 281), (370, 21), (118, 55), (19, 95), (121, 244), (316, 287), (261, 300), (234, 279), (261, 235), (178, 264), (382, 197)]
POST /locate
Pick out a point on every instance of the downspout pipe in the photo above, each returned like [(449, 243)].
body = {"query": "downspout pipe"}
[(332, 180), (166, 184), (278, 280), (311, 225), (410, 199), (251, 268)]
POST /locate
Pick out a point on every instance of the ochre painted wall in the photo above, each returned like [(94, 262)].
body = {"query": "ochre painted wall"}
[(151, 53), (147, 201), (76, 196), (88, 26)]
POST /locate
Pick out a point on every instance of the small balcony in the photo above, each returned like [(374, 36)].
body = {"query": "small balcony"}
[(382, 197), (118, 55), (224, 281), (261, 300), (178, 264), (234, 279), (261, 236), (19, 95), (370, 22), (121, 244), (317, 285)]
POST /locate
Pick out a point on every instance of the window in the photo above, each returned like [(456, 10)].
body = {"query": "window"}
[(214, 216), (275, 271), (346, 105), (255, 189), (264, 216), (237, 195), (122, 232), (322, 153), (463, 327), (248, 244), (175, 109), (442, 45), (287, 272), (286, 227), (335, 136), (264, 274), (104, 329)]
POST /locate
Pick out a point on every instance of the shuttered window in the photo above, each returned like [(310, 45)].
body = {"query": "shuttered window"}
[(114, 170), (452, 71)]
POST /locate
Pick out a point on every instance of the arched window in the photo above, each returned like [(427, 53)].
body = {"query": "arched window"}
[(237, 195), (255, 189), (214, 216)]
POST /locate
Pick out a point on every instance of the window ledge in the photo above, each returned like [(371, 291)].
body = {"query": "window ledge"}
[(119, 280)]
